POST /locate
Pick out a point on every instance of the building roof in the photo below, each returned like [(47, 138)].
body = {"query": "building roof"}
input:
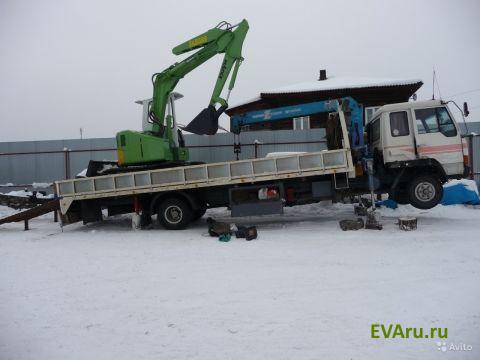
[(340, 83), (331, 84)]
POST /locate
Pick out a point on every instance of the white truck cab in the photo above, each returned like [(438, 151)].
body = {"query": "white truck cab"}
[(417, 146)]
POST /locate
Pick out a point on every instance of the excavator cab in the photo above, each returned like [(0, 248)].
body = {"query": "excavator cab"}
[(137, 148), (147, 122)]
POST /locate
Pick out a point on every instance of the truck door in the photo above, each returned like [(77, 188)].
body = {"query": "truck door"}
[(398, 135), (437, 137)]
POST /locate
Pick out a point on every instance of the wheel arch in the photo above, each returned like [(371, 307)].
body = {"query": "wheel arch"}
[(433, 166), (408, 170), (181, 195)]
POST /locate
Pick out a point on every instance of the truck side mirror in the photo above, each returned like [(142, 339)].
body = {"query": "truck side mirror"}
[(465, 109)]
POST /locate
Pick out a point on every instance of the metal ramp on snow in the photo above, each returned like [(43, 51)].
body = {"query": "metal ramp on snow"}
[(37, 211)]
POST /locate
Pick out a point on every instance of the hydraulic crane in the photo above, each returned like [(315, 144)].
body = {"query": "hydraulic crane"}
[(161, 142)]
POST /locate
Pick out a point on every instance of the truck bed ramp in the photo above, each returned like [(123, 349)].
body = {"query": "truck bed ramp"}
[(37, 211)]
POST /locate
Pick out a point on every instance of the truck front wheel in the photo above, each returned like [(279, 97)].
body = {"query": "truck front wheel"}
[(174, 214), (425, 191)]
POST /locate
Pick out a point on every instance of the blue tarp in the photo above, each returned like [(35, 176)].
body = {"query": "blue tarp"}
[(389, 203), (459, 194)]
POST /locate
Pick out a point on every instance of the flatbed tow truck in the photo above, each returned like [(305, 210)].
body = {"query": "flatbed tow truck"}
[(414, 147), (411, 150)]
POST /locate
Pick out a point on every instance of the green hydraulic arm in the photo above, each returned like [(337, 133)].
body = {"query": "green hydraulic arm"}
[(224, 38)]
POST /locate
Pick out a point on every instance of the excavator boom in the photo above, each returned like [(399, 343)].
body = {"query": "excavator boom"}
[(157, 144), (212, 42)]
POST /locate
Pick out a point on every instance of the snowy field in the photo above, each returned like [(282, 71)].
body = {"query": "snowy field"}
[(303, 290)]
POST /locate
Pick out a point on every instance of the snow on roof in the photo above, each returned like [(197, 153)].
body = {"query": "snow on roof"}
[(331, 83), (338, 83), (256, 98)]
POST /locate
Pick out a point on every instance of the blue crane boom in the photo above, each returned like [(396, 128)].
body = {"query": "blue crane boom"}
[(347, 104)]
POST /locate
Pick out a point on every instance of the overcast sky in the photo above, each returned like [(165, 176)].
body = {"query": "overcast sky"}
[(71, 64)]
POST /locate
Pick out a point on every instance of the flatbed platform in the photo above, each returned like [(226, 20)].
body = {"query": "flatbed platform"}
[(205, 175)]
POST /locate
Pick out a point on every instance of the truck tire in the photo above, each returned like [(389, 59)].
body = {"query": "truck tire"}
[(174, 214), (425, 191)]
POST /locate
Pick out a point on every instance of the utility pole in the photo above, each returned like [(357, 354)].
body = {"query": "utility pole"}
[(81, 133)]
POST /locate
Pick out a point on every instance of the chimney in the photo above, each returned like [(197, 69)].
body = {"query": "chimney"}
[(323, 75)]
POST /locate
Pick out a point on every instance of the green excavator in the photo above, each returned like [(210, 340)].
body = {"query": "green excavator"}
[(160, 143)]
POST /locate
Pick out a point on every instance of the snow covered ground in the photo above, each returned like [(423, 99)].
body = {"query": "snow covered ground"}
[(303, 290)]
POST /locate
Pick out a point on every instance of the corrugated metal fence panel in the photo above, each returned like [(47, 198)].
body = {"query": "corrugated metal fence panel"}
[(45, 161), (284, 141), (476, 158), (102, 149), (210, 149), (220, 147), (5, 170), (22, 166), (49, 162), (79, 160), (473, 126), (48, 167)]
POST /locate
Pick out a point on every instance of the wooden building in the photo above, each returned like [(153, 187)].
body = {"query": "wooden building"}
[(370, 92)]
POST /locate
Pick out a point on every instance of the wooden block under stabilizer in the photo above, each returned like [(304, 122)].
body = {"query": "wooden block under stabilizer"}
[(407, 223)]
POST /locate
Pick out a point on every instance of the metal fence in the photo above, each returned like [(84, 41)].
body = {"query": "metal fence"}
[(27, 162), (472, 127), (474, 158)]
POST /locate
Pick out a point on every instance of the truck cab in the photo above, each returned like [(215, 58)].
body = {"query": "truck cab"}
[(417, 147)]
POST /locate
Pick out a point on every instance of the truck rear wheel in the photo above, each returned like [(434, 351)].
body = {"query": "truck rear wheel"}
[(174, 214), (425, 191)]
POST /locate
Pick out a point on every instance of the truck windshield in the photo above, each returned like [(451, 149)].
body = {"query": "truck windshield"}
[(433, 120)]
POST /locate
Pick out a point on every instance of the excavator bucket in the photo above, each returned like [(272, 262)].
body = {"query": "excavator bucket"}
[(206, 122)]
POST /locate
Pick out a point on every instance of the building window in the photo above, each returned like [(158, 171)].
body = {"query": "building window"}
[(369, 111), (399, 123), (301, 123)]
